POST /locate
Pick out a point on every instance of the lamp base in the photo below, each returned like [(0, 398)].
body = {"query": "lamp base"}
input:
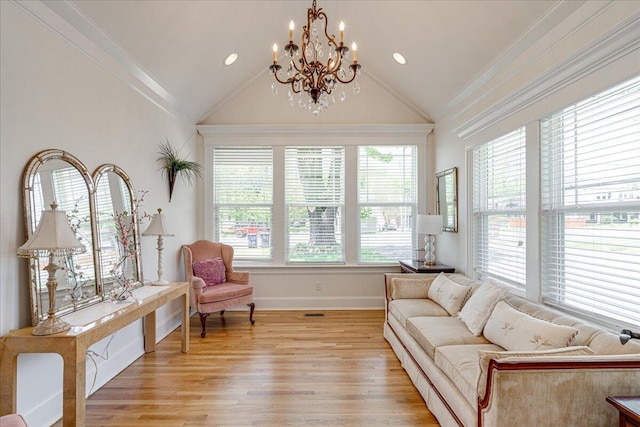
[(51, 325), (430, 263), (160, 283)]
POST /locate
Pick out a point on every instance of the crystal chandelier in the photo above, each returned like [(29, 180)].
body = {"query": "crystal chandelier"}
[(306, 71)]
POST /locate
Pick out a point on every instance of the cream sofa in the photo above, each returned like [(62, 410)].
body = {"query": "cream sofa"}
[(469, 380)]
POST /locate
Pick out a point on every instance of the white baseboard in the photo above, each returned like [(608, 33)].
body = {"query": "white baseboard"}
[(319, 303)]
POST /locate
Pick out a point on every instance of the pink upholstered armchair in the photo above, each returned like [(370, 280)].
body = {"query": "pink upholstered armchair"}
[(215, 286)]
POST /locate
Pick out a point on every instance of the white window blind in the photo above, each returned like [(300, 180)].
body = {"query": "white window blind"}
[(499, 209), (387, 202), (314, 201), (243, 199), (591, 206)]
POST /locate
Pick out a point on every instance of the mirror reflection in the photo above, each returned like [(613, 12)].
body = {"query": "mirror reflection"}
[(118, 244), (447, 198)]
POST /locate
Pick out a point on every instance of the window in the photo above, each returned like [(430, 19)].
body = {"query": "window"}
[(499, 209), (243, 199), (591, 206), (387, 202), (315, 195), (314, 198)]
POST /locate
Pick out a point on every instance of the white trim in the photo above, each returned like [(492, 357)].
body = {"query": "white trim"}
[(66, 20), (532, 284), (313, 131), (320, 303), (552, 18), (615, 44)]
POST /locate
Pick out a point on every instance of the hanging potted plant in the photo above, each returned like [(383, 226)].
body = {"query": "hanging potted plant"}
[(173, 167)]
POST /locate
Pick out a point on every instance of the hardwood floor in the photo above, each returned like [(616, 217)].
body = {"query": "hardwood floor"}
[(287, 369)]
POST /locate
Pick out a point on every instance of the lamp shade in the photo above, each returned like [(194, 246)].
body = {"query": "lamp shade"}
[(157, 226), (429, 224), (53, 234)]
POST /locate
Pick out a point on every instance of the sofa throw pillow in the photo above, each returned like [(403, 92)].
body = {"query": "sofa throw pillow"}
[(485, 356), (478, 308), (212, 271), (515, 330), (409, 288), (449, 294)]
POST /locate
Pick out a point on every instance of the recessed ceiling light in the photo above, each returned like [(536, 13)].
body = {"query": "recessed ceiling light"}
[(231, 59), (399, 58)]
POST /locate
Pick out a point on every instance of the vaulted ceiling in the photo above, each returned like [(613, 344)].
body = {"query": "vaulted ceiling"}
[(176, 49)]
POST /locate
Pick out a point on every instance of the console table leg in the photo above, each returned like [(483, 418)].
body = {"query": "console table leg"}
[(8, 380), (74, 380), (150, 332), (184, 328)]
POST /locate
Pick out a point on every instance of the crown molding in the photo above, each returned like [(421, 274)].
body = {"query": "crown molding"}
[(606, 49), (370, 131), (551, 19), (69, 22)]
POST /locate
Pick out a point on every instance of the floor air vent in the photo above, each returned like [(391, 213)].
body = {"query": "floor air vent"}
[(314, 315)]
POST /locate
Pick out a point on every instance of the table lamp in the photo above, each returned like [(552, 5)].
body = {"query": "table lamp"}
[(430, 226), (53, 237), (157, 227)]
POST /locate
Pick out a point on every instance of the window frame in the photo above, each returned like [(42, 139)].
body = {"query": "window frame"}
[(349, 136)]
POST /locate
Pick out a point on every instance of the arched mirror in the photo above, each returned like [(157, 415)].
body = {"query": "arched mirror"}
[(57, 176), (118, 245)]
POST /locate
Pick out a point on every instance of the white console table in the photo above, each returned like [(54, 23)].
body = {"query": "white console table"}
[(88, 326)]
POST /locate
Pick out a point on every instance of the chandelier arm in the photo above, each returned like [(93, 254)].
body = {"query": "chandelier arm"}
[(331, 39), (284, 82), (354, 69)]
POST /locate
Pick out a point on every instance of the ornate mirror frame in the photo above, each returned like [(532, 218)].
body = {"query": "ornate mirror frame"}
[(81, 283), (118, 242), (447, 198), (46, 173)]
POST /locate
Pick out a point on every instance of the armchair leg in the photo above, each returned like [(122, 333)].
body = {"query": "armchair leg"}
[(253, 307), (203, 322)]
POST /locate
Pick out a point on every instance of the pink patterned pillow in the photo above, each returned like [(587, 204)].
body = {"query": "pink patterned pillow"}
[(212, 271)]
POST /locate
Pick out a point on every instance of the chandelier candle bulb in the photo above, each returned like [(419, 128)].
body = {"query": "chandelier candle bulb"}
[(341, 32), (291, 27), (275, 53), (354, 47)]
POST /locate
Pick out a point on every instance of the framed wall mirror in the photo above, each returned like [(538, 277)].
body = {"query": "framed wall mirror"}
[(57, 176), (116, 218), (101, 210), (447, 198)]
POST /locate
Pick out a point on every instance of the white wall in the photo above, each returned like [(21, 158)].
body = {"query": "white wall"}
[(55, 96), (595, 48)]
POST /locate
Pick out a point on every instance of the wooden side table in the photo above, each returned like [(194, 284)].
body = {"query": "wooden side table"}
[(629, 407), (412, 266), (88, 326)]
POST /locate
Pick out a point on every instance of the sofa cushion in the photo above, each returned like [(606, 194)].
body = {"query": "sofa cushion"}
[(224, 292), (485, 356), (402, 288), (212, 271), (460, 364), (449, 294), (434, 332), (478, 308), (514, 330), (404, 309)]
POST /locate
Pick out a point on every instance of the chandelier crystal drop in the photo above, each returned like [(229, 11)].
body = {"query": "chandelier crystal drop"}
[(306, 72)]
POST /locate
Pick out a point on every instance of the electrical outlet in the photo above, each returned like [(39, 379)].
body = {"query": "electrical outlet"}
[(318, 285)]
